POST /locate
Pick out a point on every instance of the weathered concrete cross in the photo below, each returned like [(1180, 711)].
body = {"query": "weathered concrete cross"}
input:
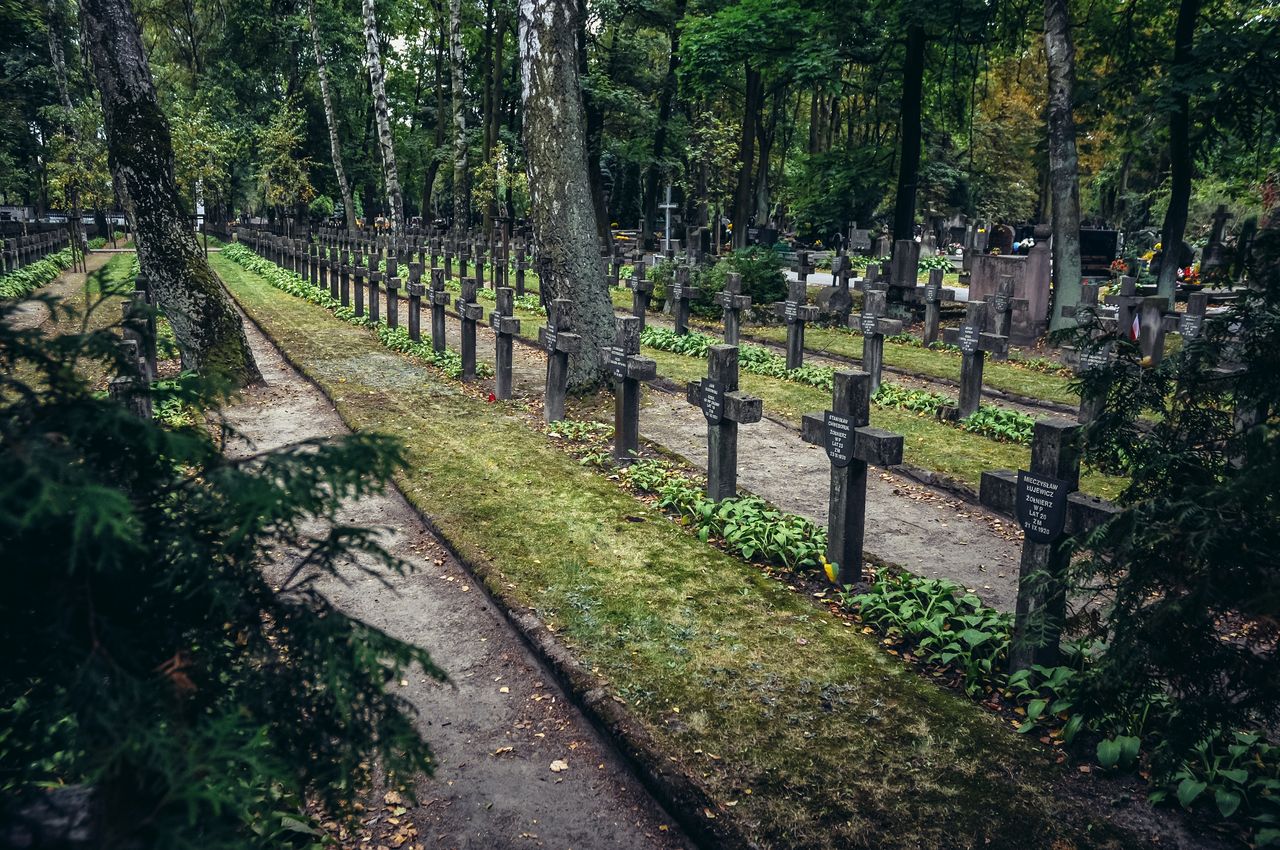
[(934, 295), (796, 311), (975, 343), (851, 444), (724, 408), (393, 292), (470, 313), (558, 340), (416, 290), (875, 327), (732, 303), (505, 327), (641, 289), (439, 299), (375, 275), (357, 283), (623, 364), (681, 294)]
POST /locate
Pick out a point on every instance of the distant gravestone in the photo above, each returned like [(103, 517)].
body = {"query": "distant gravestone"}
[(415, 290), (505, 327), (438, 299), (875, 326), (934, 295), (641, 288), (470, 313), (732, 303), (392, 285), (975, 343), (796, 312), (680, 294), (1000, 240)]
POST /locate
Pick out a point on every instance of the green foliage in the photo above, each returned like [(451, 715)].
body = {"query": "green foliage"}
[(1000, 423), (745, 525), (937, 261), (283, 172), (836, 187), (20, 283), (156, 652), (320, 208)]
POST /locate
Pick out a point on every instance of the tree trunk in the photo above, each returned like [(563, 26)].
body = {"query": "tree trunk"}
[(1064, 164), (78, 239), (1175, 217), (140, 153), (560, 193), (594, 115), (666, 99), (335, 149), (904, 210), (386, 142), (461, 178), (743, 194)]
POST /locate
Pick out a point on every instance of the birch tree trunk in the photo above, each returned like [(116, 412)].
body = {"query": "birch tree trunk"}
[(1064, 163), (386, 142), (560, 193), (461, 177), (331, 118), (140, 153)]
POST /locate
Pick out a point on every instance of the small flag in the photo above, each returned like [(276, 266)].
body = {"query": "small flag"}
[(1134, 331)]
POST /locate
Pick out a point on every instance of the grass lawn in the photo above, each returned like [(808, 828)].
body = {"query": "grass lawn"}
[(799, 729)]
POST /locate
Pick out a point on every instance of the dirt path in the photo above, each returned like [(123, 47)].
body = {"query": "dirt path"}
[(499, 725), (32, 314), (928, 532)]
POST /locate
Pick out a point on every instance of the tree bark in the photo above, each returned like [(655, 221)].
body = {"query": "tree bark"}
[(594, 114), (140, 152), (461, 178), (560, 193), (331, 118), (386, 142), (79, 240), (743, 194), (904, 210), (1175, 217), (1064, 164)]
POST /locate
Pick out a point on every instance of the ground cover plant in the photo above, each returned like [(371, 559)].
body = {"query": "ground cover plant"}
[(734, 678), (21, 282), (149, 664)]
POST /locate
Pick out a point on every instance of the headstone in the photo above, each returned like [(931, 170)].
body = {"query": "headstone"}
[(626, 368), (680, 295), (875, 326), (1000, 240), (934, 295), (559, 341), (344, 277), (859, 240), (975, 343), (796, 312), (837, 298), (393, 292), (851, 445), (520, 270), (415, 290), (724, 408), (641, 289), (1096, 352), (505, 327), (1046, 501), (357, 284), (439, 299), (313, 263), (732, 303), (374, 276), (470, 313)]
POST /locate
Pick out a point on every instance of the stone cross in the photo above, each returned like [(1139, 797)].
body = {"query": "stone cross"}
[(500, 267), (393, 292), (795, 311), (479, 254), (874, 327), (558, 340), (852, 445), (871, 278), (131, 387), (732, 303), (836, 298), (470, 313), (1214, 255), (615, 269), (934, 295), (1127, 302), (624, 365), (975, 343), (725, 408), (435, 251), (313, 263), (343, 270), (439, 299), (448, 259), (520, 269), (1097, 353), (328, 280), (416, 290), (375, 275), (357, 285), (680, 295), (641, 289), (139, 325), (1049, 507), (505, 327), (803, 267)]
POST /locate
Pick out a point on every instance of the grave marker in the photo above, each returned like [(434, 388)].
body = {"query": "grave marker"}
[(724, 408), (439, 299), (795, 311), (626, 368), (934, 295), (416, 290), (851, 445), (470, 313), (875, 326), (393, 292), (680, 295), (732, 303), (373, 276), (641, 289), (344, 277), (559, 342), (975, 343), (505, 327)]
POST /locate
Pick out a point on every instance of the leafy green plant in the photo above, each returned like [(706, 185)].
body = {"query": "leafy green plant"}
[(20, 283), (1000, 423), (937, 261)]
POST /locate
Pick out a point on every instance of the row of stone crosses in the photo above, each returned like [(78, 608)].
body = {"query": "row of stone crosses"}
[(1045, 498), (22, 251)]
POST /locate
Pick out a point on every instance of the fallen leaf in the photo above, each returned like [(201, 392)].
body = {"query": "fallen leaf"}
[(559, 765)]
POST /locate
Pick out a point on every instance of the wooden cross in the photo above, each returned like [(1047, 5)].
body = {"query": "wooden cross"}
[(681, 294), (500, 267), (1049, 507), (975, 343), (795, 311), (416, 290), (624, 365), (803, 267), (558, 340), (438, 298), (470, 313), (875, 326), (505, 327), (448, 259), (732, 303), (724, 408), (851, 444), (479, 255), (435, 251), (313, 263), (520, 269), (393, 292), (934, 295), (641, 289)]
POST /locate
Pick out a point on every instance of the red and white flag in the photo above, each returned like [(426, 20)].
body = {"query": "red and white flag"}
[(1134, 330)]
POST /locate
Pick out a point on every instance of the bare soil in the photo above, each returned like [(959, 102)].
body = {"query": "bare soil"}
[(501, 722)]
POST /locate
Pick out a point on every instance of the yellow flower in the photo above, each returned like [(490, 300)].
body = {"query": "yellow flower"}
[(832, 570)]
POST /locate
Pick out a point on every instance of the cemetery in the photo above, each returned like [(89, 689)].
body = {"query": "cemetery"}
[(710, 425)]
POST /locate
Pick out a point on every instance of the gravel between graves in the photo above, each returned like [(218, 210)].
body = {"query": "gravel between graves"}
[(502, 721)]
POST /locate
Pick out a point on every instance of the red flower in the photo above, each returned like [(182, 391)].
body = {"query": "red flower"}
[(492, 397)]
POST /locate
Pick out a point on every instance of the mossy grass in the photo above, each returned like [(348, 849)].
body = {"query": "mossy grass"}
[(799, 728)]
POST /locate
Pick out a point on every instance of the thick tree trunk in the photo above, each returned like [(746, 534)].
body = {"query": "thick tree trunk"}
[(331, 118), (1064, 164), (594, 114), (904, 210), (140, 152), (461, 178), (386, 142), (743, 194), (560, 193), (1175, 217)]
